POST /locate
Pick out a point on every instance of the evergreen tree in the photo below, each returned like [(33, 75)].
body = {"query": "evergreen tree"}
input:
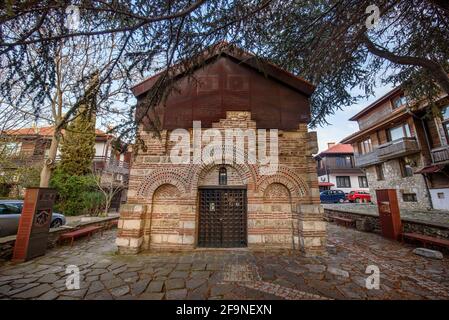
[(78, 143)]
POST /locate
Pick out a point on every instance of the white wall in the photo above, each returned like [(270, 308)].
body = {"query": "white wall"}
[(100, 149), (440, 198), (354, 182)]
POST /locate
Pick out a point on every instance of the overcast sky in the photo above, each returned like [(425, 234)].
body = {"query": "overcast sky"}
[(340, 127)]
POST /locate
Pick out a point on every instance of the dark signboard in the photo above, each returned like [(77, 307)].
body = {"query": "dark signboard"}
[(389, 214), (32, 235)]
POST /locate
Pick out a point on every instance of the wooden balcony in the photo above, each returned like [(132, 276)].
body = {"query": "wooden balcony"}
[(349, 169), (398, 148), (367, 159), (111, 165), (23, 160), (440, 155)]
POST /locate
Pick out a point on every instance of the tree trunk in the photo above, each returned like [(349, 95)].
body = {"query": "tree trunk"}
[(107, 206), (50, 161)]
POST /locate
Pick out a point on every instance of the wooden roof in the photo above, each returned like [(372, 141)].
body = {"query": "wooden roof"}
[(240, 56)]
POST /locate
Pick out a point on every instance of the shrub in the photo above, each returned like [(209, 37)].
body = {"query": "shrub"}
[(93, 203), (76, 194)]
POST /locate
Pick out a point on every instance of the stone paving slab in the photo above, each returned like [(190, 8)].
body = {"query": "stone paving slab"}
[(231, 274)]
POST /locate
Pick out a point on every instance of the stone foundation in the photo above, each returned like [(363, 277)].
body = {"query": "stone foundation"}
[(404, 185)]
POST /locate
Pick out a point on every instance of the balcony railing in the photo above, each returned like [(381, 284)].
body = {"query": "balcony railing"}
[(111, 165), (440, 154), (398, 148), (108, 164), (23, 159), (367, 159), (338, 169), (394, 149)]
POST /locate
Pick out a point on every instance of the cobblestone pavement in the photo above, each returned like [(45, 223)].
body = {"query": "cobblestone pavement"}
[(438, 216), (231, 274)]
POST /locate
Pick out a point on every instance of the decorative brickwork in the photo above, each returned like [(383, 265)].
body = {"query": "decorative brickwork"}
[(283, 209)]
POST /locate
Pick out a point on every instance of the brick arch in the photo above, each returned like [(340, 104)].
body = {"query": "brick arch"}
[(294, 184), (158, 178), (277, 191), (246, 172)]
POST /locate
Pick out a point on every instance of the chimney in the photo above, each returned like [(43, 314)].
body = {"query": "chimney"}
[(34, 127), (330, 144)]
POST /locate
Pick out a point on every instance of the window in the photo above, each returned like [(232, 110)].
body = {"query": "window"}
[(12, 148), (363, 182), (399, 132), (10, 209), (409, 197), (379, 172), (406, 169), (446, 129), (365, 146), (343, 182), (440, 195), (222, 176), (445, 113), (344, 162), (399, 101)]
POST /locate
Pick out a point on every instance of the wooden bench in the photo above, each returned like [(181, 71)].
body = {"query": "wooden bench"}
[(113, 224), (425, 239), (87, 231), (344, 221)]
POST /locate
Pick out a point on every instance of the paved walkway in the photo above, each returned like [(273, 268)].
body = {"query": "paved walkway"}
[(436, 216), (235, 274)]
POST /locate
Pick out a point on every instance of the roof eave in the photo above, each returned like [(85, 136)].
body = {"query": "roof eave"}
[(375, 104)]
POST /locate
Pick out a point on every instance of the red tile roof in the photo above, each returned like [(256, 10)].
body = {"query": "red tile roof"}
[(338, 148), (42, 131)]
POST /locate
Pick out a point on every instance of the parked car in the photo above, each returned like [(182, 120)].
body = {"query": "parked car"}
[(359, 196), (10, 211), (332, 196)]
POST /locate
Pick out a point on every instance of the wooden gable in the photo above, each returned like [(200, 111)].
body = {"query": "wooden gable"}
[(226, 84)]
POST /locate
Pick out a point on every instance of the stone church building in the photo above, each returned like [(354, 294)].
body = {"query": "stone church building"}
[(226, 205)]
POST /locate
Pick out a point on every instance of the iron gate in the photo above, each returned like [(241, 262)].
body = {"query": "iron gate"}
[(222, 221)]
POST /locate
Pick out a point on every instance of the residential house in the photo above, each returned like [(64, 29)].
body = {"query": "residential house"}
[(336, 169), (30, 147), (403, 146)]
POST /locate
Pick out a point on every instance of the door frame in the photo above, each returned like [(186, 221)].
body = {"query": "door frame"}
[(197, 220)]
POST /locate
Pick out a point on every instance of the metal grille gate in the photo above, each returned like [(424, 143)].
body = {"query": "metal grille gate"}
[(223, 221)]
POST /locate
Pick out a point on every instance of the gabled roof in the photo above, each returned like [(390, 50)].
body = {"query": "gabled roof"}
[(225, 49), (376, 103), (41, 131), (340, 148)]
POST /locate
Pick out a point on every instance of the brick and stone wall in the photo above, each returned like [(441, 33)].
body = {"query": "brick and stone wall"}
[(283, 209)]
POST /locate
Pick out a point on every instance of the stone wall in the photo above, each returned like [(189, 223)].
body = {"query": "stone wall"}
[(370, 223), (7, 243), (394, 180), (283, 209)]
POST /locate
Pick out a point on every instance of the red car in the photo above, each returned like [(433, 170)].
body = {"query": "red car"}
[(359, 196)]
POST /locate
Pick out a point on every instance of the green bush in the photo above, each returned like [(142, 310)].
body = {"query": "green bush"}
[(77, 195), (93, 203)]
